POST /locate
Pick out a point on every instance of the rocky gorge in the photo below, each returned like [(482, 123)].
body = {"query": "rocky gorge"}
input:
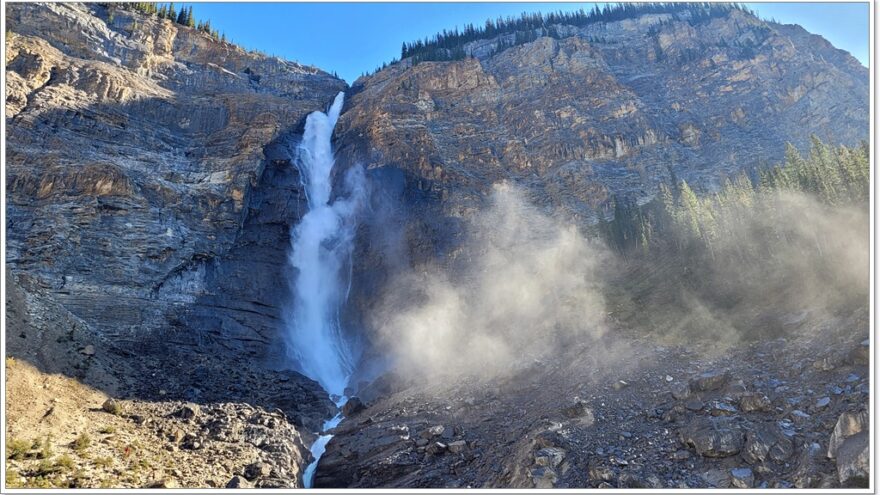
[(151, 192)]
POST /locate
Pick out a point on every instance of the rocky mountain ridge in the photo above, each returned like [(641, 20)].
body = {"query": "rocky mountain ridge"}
[(608, 108)]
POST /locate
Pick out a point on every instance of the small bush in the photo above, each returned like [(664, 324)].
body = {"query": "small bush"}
[(17, 449), (107, 430), (65, 462), (82, 442), (103, 462), (45, 468)]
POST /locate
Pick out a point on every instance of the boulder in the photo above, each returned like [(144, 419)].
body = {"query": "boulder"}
[(808, 472), (766, 441), (848, 424), (680, 390), (257, 470), (742, 478), (457, 446), (717, 478), (188, 411), (163, 483), (854, 461), (694, 404), (550, 457), (721, 408), (708, 381), (112, 406), (755, 402), (436, 448), (713, 437), (352, 406), (239, 482), (680, 455), (543, 477), (434, 431), (601, 473)]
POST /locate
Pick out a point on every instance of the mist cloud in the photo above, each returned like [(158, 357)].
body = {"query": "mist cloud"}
[(524, 286)]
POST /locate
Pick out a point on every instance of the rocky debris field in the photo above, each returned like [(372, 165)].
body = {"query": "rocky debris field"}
[(789, 412), (137, 444), (86, 412)]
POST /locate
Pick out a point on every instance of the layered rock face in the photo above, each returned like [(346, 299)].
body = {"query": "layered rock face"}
[(606, 109), (139, 187)]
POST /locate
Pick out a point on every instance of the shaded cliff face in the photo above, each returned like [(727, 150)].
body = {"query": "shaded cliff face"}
[(139, 186), (606, 108)]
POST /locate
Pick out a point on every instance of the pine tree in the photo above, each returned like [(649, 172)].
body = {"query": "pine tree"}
[(172, 13), (690, 210)]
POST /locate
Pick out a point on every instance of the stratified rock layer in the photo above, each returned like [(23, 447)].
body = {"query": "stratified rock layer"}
[(139, 186), (607, 108)]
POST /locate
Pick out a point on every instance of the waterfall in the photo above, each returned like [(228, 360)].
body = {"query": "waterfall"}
[(321, 250)]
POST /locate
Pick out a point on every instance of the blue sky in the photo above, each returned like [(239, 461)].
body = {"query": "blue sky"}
[(352, 38)]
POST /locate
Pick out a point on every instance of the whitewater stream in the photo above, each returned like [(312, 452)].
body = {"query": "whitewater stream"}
[(321, 250)]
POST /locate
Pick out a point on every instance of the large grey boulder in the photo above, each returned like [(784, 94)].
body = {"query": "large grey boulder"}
[(714, 437)]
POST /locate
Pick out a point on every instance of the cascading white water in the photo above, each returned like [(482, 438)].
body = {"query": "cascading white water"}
[(321, 249)]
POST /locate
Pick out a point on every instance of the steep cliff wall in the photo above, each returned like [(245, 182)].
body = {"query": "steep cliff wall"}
[(605, 109), (139, 186)]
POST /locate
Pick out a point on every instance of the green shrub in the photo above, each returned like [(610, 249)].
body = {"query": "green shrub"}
[(45, 468), (17, 449), (82, 442), (65, 462)]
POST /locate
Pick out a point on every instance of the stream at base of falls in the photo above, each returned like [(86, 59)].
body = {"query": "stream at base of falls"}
[(320, 445)]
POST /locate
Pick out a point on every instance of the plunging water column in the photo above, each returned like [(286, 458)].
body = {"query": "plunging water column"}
[(321, 249)]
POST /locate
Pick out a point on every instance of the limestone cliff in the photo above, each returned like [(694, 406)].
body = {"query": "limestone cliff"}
[(140, 190), (605, 108)]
